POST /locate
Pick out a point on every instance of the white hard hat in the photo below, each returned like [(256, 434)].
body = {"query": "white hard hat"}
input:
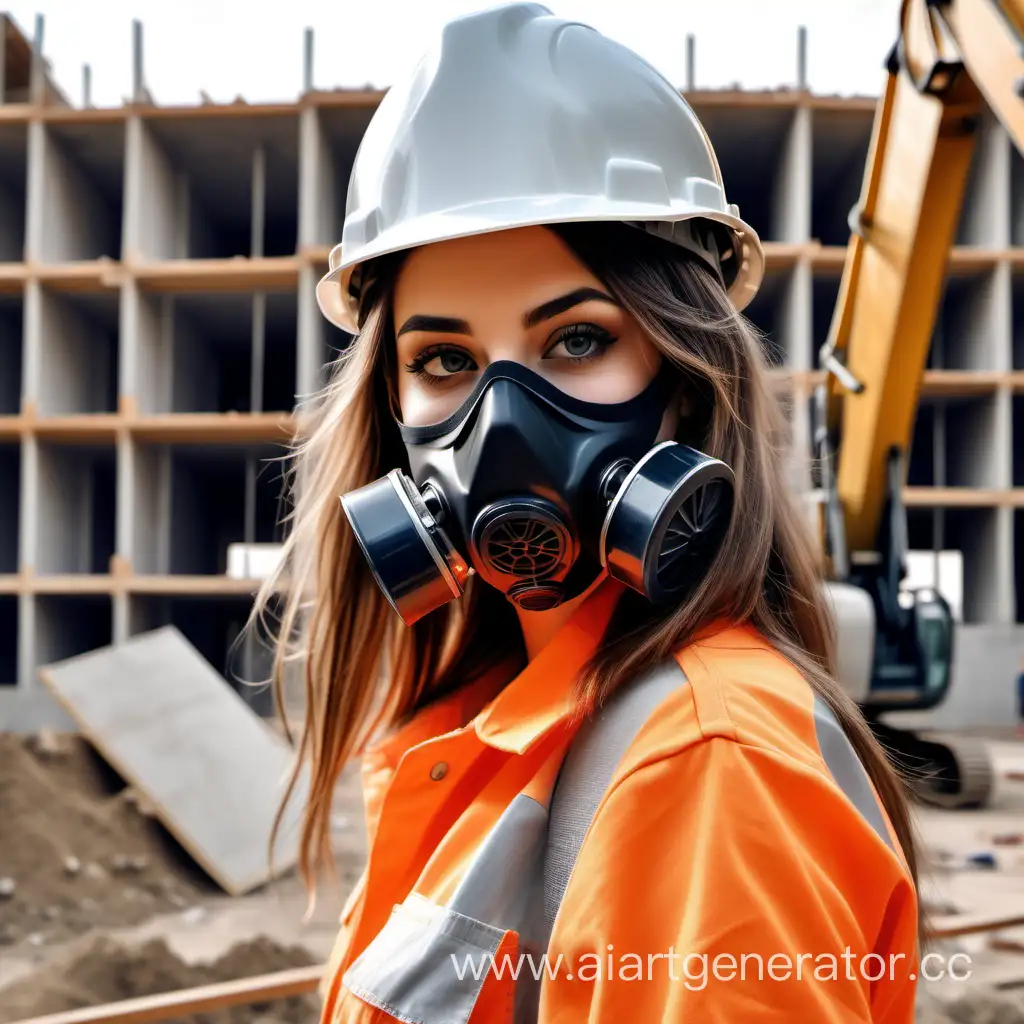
[(516, 117)]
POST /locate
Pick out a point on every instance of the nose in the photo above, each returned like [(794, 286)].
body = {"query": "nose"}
[(510, 438)]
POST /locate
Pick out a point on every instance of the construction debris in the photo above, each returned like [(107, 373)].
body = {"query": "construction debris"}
[(65, 826), (972, 1008), (108, 971), (203, 762), (1008, 839)]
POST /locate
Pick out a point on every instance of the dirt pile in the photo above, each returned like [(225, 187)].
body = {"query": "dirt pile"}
[(107, 971), (981, 1007), (77, 847)]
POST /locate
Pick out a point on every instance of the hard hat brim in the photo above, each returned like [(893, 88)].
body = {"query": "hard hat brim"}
[(339, 307)]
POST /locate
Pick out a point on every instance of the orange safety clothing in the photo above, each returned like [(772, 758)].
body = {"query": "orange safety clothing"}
[(739, 866)]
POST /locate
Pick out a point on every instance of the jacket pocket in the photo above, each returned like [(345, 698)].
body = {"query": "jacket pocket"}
[(427, 965)]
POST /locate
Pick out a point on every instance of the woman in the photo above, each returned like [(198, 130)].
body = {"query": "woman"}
[(607, 727)]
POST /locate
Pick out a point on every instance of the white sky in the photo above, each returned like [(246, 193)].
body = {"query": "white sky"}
[(230, 47)]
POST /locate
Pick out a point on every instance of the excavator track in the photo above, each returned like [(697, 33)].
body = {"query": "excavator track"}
[(950, 772), (959, 773)]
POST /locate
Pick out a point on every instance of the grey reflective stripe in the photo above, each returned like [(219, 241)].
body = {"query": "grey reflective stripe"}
[(588, 768), (846, 768), (502, 885), (408, 970)]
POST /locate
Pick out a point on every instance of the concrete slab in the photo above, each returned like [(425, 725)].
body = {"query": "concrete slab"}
[(173, 728)]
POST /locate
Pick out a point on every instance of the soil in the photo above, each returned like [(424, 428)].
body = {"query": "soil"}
[(975, 1008), (77, 847), (98, 903), (108, 971)]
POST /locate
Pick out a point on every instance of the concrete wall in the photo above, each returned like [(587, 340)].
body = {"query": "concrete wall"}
[(189, 186)]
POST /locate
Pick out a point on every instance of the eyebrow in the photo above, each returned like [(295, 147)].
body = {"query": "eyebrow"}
[(553, 307), (545, 311), (436, 324)]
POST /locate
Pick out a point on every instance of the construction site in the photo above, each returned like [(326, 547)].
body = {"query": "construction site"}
[(158, 329)]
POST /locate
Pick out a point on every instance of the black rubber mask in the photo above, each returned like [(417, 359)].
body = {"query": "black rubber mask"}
[(539, 492)]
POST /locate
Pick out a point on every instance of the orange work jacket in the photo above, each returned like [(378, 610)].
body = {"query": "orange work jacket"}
[(739, 866)]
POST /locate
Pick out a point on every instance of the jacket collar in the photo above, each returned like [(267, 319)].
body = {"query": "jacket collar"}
[(541, 695)]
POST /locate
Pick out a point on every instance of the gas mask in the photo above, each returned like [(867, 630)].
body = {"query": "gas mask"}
[(538, 492)]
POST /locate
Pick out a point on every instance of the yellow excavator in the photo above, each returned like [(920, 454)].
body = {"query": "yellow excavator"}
[(952, 59)]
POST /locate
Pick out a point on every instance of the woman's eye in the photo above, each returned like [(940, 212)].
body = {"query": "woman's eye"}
[(449, 362), (443, 363), (579, 345), (580, 341)]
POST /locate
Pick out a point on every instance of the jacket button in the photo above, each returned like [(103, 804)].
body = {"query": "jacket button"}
[(439, 771)]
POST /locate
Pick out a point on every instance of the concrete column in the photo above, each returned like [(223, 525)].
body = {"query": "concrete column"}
[(4, 20), (32, 345), (796, 318), (35, 192), (27, 545), (1002, 433), (27, 680), (155, 218), (973, 323), (128, 363), (319, 218), (258, 208), (791, 199), (146, 523), (309, 336), (124, 534), (1005, 584), (133, 190), (1002, 317), (985, 217), (37, 73), (28, 528)]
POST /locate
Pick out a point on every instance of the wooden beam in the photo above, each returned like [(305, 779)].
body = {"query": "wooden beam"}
[(217, 275), (781, 255), (947, 926), (227, 427), (13, 277), (81, 428), (98, 275), (185, 1002), (956, 497), (962, 383)]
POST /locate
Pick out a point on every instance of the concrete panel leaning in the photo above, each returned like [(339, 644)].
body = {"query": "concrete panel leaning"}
[(214, 771)]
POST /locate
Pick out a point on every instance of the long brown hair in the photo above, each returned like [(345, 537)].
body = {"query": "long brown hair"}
[(365, 671)]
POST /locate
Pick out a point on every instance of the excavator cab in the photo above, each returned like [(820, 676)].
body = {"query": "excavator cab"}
[(912, 666)]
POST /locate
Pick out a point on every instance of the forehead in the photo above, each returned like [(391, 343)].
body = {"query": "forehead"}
[(511, 266)]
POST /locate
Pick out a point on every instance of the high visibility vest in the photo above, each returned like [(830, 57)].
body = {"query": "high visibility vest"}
[(710, 845)]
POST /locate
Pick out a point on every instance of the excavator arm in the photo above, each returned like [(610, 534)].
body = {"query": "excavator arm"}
[(953, 58)]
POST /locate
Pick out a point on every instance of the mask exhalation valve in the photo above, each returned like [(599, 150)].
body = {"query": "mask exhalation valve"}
[(528, 540), (667, 520), (415, 564)]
